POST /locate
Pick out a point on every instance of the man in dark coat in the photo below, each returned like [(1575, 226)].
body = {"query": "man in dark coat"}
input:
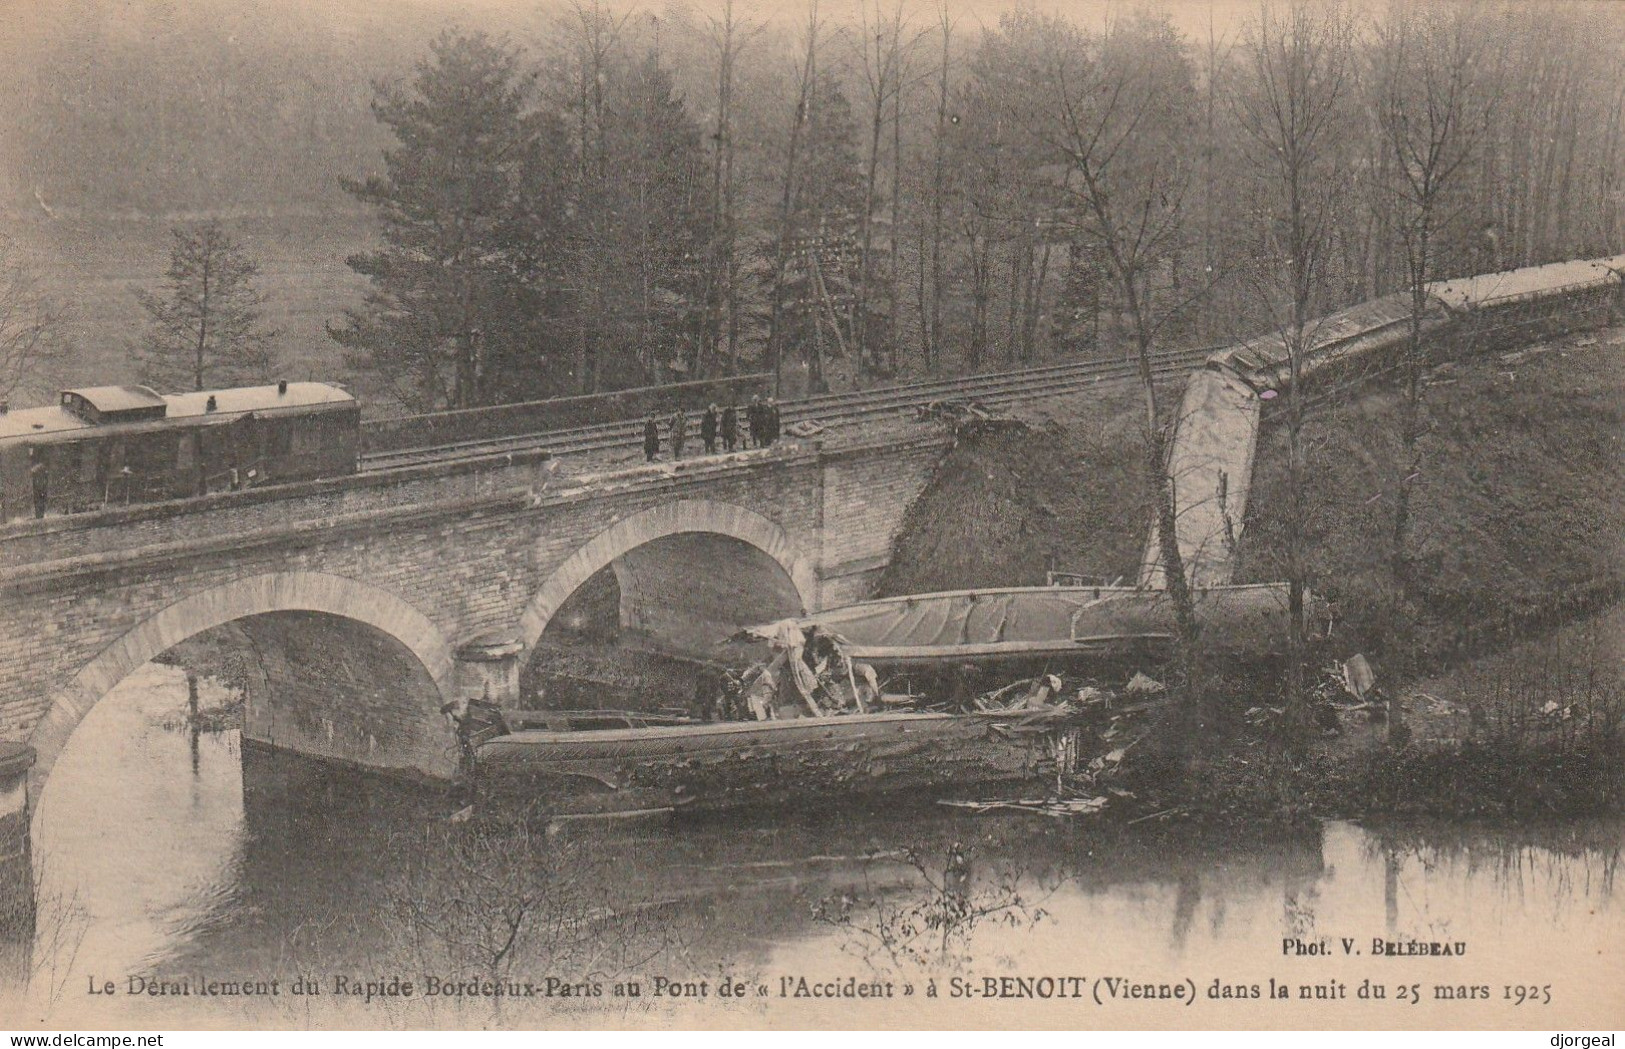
[(679, 433), (651, 438), (771, 411), (755, 423), (708, 430), (730, 427)]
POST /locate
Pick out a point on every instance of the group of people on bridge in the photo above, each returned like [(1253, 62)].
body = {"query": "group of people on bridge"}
[(716, 425)]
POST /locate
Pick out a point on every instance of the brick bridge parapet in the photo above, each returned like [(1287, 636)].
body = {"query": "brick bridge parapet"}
[(415, 562)]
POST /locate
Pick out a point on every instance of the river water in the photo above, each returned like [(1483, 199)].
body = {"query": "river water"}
[(165, 863)]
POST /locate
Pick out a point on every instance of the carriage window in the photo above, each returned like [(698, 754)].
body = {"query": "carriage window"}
[(89, 462), (185, 457)]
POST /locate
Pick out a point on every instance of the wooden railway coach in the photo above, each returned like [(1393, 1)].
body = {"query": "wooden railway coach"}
[(1467, 315), (118, 445)]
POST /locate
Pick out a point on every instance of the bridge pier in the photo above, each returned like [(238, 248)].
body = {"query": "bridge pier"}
[(16, 866), (488, 668)]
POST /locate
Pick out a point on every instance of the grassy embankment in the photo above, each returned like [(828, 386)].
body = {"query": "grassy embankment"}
[(1492, 637)]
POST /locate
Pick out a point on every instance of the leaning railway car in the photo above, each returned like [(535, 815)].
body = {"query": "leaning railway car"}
[(118, 445), (1347, 345), (1210, 457), (1463, 316)]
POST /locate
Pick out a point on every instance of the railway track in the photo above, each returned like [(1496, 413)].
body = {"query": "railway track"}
[(992, 389)]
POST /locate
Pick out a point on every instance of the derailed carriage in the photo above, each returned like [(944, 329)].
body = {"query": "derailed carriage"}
[(1495, 311), (1460, 316), (1350, 345), (111, 446), (1210, 458)]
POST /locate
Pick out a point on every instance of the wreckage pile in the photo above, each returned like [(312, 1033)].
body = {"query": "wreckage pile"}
[(810, 673), (1089, 726), (1105, 724)]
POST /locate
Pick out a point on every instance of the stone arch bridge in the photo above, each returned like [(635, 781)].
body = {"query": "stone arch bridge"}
[(370, 601)]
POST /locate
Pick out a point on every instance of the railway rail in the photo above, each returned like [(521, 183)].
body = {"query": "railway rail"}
[(991, 389)]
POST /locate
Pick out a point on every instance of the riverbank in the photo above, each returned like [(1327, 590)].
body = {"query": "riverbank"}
[(1257, 783), (1532, 731)]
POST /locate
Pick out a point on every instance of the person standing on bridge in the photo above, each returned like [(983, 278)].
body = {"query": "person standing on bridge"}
[(772, 413), (708, 430), (755, 425), (651, 438), (730, 427), (679, 433)]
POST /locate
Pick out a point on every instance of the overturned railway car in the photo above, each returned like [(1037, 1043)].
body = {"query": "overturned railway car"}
[(1210, 458), (1351, 344), (120, 445)]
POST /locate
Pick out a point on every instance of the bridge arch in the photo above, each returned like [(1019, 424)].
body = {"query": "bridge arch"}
[(260, 595), (679, 518)]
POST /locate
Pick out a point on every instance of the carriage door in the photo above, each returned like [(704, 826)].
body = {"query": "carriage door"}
[(115, 473), (246, 452), (188, 478), (216, 456), (16, 498)]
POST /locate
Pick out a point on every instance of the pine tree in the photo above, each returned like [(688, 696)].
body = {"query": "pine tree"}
[(204, 329), (658, 224), (472, 216)]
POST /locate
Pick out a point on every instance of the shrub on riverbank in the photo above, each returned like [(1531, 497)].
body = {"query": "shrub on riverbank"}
[(1479, 779), (1536, 730), (1473, 780)]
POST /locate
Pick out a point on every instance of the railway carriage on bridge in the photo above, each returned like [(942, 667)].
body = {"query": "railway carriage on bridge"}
[(120, 445)]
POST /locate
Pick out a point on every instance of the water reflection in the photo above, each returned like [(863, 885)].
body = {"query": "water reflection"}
[(186, 858)]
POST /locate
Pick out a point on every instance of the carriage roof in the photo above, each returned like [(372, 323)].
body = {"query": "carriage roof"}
[(1346, 328), (1531, 282), (55, 420)]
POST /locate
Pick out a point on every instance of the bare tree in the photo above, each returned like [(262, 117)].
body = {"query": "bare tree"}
[(931, 314), (808, 77), (1433, 113), (882, 60), (1298, 60), (205, 326), (30, 328), (1121, 117), (597, 37), (729, 36), (493, 897)]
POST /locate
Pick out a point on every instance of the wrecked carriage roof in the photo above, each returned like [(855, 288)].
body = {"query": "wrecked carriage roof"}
[(1347, 330), (1020, 621)]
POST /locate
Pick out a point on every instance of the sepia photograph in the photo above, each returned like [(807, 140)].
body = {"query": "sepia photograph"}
[(812, 515)]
